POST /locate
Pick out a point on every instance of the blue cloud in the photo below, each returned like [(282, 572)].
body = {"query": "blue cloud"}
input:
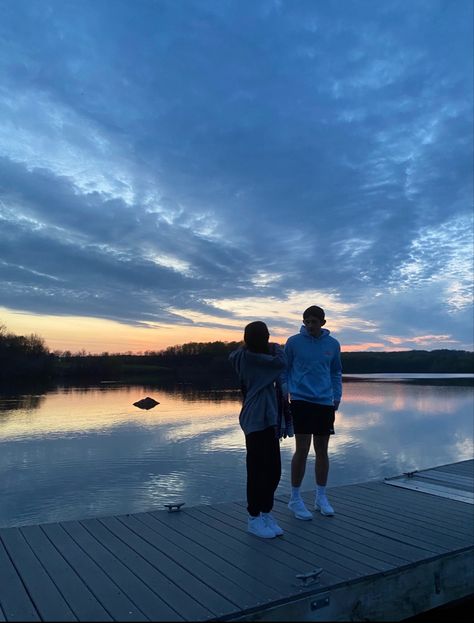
[(173, 151)]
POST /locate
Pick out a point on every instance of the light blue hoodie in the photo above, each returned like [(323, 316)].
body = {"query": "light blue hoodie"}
[(314, 367)]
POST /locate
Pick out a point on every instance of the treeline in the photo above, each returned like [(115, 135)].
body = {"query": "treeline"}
[(205, 364), (23, 359), (444, 360), (432, 361)]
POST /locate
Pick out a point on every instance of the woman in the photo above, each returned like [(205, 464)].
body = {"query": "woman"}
[(258, 365)]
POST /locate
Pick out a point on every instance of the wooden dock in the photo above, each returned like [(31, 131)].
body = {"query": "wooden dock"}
[(389, 552)]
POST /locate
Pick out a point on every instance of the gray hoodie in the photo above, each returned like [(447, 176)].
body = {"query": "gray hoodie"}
[(257, 374)]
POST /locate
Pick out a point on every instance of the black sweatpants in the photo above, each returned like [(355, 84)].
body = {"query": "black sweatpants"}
[(263, 470)]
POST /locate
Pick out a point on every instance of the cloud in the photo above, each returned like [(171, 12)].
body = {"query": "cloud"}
[(237, 151), (421, 340)]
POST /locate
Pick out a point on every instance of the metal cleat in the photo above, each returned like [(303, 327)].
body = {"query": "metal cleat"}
[(174, 507), (309, 578)]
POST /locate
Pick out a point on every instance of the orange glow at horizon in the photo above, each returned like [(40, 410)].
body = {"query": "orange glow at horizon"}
[(365, 346), (96, 336)]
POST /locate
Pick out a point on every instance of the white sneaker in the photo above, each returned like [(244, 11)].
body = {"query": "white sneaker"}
[(257, 527), (271, 523), (322, 505), (300, 510)]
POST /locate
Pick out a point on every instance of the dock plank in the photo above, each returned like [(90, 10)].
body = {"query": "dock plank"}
[(422, 502), (44, 593), (107, 592), (377, 526), (215, 604), (199, 563), (455, 480), (82, 602), (273, 560), (243, 589), (425, 486), (417, 506), (238, 545), (169, 593), (399, 528), (305, 544), (332, 548), (413, 503), (367, 499), (346, 537), (265, 548), (294, 560), (463, 468), (268, 577), (97, 542), (14, 600), (385, 542)]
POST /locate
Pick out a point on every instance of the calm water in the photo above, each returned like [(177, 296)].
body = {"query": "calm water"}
[(76, 453)]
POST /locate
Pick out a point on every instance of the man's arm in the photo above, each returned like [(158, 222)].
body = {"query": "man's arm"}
[(336, 377)]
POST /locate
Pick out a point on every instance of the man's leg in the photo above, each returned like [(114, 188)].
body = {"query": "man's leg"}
[(298, 462), (321, 469), (298, 466), (321, 472)]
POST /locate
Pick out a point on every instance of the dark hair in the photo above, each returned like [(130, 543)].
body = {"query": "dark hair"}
[(314, 310), (256, 336)]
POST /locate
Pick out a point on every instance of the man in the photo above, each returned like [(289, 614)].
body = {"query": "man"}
[(315, 389)]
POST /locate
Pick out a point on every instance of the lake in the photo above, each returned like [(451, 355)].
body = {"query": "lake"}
[(74, 453)]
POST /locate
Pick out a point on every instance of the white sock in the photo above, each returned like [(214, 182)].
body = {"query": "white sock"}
[(295, 493), (320, 491)]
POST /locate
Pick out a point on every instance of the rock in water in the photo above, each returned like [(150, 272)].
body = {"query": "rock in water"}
[(146, 403)]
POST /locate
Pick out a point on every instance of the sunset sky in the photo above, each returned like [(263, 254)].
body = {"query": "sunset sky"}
[(171, 170)]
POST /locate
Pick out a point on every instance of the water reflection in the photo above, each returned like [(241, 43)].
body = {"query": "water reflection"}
[(83, 410), (85, 452), (20, 402)]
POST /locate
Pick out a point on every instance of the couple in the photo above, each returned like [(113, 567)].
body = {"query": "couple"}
[(308, 371)]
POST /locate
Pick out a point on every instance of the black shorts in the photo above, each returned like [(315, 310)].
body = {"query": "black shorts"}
[(310, 418)]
